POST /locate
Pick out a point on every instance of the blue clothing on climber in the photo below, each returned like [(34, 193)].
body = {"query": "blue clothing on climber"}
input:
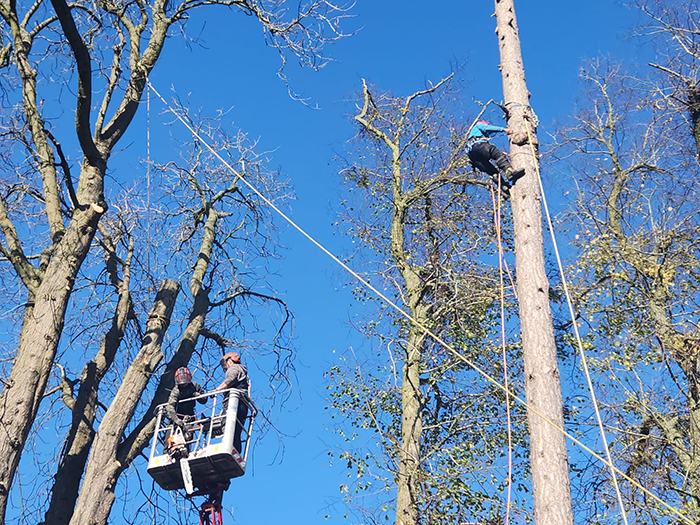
[(482, 130), (481, 152)]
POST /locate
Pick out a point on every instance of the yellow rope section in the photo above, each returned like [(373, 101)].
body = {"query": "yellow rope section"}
[(407, 316)]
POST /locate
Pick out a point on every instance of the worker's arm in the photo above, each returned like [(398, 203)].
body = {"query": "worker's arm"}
[(222, 386), (235, 376), (489, 129), (172, 402), (228, 380), (200, 391)]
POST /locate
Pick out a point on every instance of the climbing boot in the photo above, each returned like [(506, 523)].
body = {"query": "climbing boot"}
[(513, 175)]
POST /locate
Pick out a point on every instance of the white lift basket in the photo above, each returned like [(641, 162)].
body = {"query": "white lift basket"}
[(214, 445)]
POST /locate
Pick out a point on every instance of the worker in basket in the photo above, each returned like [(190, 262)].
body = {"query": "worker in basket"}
[(236, 377), (484, 155), (179, 411)]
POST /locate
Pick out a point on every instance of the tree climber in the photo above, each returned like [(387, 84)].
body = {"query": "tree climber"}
[(236, 377), (481, 152), (180, 411)]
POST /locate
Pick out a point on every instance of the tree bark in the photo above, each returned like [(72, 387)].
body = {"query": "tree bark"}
[(65, 489), (408, 482), (409, 453), (548, 455), (41, 330), (103, 470)]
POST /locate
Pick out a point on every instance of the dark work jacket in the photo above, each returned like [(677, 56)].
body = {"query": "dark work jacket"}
[(183, 392)]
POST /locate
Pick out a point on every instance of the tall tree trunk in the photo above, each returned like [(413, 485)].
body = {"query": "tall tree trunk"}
[(65, 489), (407, 481), (50, 286), (41, 331), (548, 455), (103, 470)]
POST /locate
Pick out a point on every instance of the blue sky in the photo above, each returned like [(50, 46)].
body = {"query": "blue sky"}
[(399, 46)]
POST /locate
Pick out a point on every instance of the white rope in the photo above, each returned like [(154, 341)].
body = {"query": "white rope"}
[(148, 178), (496, 200)]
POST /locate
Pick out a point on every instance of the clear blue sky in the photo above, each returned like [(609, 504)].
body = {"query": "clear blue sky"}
[(401, 44)]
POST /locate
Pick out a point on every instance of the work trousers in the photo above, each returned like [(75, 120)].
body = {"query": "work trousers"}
[(482, 153)]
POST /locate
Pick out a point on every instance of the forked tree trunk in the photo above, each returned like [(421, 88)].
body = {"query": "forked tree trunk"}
[(548, 456), (105, 465), (111, 452)]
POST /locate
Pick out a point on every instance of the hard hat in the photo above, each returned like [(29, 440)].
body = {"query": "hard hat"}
[(233, 356), (183, 376)]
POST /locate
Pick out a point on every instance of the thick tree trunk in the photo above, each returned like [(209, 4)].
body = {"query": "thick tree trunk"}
[(548, 455), (65, 489), (41, 331), (103, 470)]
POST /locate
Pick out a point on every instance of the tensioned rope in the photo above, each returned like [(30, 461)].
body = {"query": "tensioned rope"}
[(584, 359), (496, 201), (148, 177), (407, 316)]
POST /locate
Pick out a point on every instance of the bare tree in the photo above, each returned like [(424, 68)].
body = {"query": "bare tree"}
[(217, 227), (674, 29), (48, 219), (548, 455)]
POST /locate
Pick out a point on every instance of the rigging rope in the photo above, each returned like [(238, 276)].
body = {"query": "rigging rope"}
[(409, 318), (148, 179), (496, 201)]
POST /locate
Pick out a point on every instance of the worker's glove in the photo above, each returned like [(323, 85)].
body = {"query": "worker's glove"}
[(179, 423), (187, 419)]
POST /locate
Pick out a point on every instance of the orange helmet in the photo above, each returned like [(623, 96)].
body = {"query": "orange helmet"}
[(233, 356)]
